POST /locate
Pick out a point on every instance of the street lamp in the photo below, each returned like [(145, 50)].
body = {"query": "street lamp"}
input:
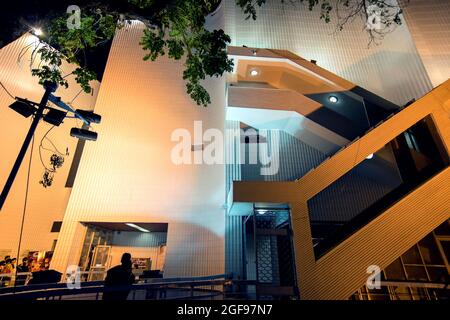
[(38, 32), (53, 116)]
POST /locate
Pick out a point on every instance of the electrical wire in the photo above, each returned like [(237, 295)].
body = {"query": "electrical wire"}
[(7, 91), (24, 211), (41, 147), (76, 96)]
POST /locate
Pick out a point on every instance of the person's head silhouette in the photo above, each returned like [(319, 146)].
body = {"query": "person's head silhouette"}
[(126, 260)]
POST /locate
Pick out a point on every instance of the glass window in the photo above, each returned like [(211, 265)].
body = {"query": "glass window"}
[(430, 251), (416, 273), (446, 247), (419, 293), (443, 229), (395, 271), (379, 294), (401, 293), (412, 256), (438, 274)]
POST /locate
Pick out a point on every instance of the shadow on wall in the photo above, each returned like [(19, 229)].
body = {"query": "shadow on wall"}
[(393, 81)]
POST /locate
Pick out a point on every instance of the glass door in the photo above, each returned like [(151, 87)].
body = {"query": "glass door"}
[(100, 263)]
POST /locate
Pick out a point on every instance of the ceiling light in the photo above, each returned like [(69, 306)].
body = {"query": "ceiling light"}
[(254, 73), (370, 156), (333, 99), (136, 227)]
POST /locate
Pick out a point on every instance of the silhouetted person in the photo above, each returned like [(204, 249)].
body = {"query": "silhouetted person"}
[(117, 276), (21, 279), (24, 266)]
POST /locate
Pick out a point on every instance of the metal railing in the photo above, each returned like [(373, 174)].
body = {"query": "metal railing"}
[(208, 287)]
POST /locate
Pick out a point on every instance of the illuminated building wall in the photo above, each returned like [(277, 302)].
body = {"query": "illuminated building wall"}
[(392, 69), (429, 24), (45, 205), (127, 175)]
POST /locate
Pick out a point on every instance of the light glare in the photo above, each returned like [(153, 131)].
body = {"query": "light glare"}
[(37, 32), (136, 227)]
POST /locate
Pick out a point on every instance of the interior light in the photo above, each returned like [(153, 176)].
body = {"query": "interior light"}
[(136, 227), (254, 73), (370, 156), (261, 211), (333, 99)]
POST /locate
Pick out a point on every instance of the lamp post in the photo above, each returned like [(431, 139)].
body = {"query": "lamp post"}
[(54, 117), (49, 88)]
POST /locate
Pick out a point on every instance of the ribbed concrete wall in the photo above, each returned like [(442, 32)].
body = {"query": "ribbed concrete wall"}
[(128, 174), (429, 23), (392, 70), (295, 158), (233, 223)]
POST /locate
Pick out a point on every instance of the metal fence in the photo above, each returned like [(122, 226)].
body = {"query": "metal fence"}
[(210, 287)]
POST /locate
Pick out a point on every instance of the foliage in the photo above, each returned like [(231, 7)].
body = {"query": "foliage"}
[(176, 28), (346, 11)]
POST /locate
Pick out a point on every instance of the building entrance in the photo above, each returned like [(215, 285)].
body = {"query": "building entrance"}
[(268, 252), (105, 242)]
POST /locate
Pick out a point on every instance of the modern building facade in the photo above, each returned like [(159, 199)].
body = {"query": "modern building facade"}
[(362, 206), (319, 180), (429, 26)]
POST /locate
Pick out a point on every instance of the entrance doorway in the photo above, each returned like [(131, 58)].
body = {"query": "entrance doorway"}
[(268, 252), (105, 242)]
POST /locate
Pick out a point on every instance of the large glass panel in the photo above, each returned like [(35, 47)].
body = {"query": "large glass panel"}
[(395, 271), (412, 256), (446, 247), (379, 294), (416, 273), (438, 274), (372, 186), (401, 293), (443, 229), (420, 294), (430, 251)]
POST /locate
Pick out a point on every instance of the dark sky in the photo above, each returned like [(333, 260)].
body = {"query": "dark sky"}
[(19, 16)]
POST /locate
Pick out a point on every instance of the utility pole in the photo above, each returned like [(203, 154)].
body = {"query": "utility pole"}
[(49, 89)]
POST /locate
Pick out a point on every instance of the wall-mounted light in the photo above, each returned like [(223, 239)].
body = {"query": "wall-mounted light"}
[(370, 156), (254, 73), (333, 99)]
